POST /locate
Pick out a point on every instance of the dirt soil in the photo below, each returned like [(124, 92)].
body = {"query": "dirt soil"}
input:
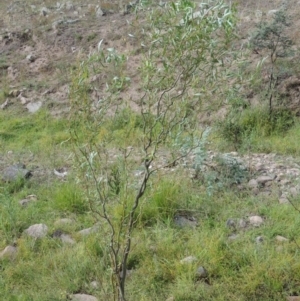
[(41, 42)]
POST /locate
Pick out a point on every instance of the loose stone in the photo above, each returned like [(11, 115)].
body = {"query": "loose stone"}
[(281, 238), (189, 259), (9, 252), (256, 221), (201, 273), (37, 231)]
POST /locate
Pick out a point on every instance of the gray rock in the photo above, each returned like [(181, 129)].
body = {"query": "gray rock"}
[(260, 167), (269, 183), (24, 202), (44, 11), (230, 223), (259, 239), (99, 12), (72, 21), (33, 107), (67, 239), (28, 199), (37, 231), (30, 58), (5, 104), (61, 173), (189, 259), (182, 221), (57, 233), (293, 298), (294, 171), (23, 100), (201, 273), (281, 238), (95, 284), (14, 93), (9, 252), (242, 223), (285, 182), (283, 200), (15, 172), (253, 183), (256, 221), (262, 180), (88, 231), (294, 191), (83, 297)]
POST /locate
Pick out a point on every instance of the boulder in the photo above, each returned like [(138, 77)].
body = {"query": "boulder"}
[(9, 252), (37, 231), (15, 172), (256, 221), (83, 297)]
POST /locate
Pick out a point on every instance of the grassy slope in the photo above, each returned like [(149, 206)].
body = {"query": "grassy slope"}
[(48, 270)]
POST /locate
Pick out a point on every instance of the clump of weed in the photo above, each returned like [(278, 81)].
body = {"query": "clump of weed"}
[(68, 198), (162, 204), (238, 130), (91, 36), (16, 185)]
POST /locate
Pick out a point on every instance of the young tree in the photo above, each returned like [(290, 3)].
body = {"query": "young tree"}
[(273, 37), (182, 65)]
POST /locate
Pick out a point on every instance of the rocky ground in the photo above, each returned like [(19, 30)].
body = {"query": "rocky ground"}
[(39, 44)]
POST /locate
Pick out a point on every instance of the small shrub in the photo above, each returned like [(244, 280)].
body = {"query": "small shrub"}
[(162, 204), (231, 170), (273, 38), (231, 132), (91, 37)]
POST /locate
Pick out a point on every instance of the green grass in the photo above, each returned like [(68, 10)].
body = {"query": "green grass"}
[(238, 270), (68, 198), (241, 270), (253, 131), (31, 131), (285, 144)]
